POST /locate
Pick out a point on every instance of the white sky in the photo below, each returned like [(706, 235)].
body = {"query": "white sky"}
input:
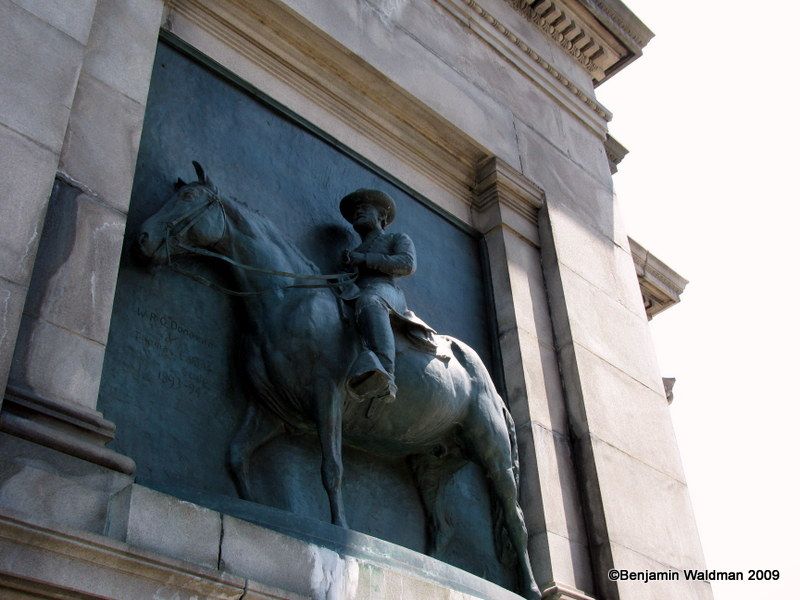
[(710, 116)]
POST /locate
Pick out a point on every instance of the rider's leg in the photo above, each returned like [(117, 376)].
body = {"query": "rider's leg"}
[(372, 375), (372, 317)]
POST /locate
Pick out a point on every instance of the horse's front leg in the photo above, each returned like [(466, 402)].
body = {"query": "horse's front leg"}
[(328, 404)]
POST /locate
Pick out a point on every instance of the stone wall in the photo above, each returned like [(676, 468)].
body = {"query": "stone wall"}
[(466, 103)]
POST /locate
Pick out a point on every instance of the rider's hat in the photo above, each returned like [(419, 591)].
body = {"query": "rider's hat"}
[(377, 198)]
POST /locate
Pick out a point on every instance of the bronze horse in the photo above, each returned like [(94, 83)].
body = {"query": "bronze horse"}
[(446, 412)]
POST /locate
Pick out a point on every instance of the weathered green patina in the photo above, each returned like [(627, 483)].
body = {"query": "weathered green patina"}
[(172, 379)]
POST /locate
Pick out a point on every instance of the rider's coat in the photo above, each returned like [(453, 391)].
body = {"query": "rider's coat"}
[(388, 255)]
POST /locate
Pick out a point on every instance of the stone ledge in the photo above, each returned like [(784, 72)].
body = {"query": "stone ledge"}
[(497, 181), (67, 427), (560, 591), (505, 198), (661, 286), (387, 562), (72, 563), (86, 419), (87, 564), (615, 152), (55, 488)]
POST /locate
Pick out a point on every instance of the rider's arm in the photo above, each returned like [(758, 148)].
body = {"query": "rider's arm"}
[(400, 261)]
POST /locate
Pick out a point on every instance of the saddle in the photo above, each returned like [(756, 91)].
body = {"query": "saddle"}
[(419, 334)]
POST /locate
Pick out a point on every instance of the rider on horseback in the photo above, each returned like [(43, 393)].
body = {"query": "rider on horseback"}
[(380, 258)]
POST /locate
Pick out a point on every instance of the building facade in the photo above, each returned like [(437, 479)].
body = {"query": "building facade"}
[(483, 113)]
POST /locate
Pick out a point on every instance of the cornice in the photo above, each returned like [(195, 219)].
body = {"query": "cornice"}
[(615, 152), (625, 21), (602, 36), (497, 181), (556, 78), (505, 198), (576, 36), (660, 285)]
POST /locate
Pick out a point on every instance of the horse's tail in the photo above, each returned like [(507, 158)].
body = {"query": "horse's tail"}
[(502, 541), (473, 364), (512, 439)]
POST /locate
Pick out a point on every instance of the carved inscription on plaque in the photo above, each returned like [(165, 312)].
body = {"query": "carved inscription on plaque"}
[(164, 343), (170, 370)]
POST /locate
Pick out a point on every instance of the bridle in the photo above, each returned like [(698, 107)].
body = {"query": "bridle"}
[(333, 281)]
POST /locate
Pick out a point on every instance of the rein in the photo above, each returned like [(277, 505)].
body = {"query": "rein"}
[(331, 281)]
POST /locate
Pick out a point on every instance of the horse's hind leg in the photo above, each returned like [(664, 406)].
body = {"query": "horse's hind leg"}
[(430, 474), (487, 438), (255, 430)]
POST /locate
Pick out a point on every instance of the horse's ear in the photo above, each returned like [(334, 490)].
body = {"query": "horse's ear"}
[(201, 174), (211, 185), (179, 183)]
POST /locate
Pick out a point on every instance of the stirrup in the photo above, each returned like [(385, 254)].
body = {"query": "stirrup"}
[(389, 396), (373, 385), (368, 379)]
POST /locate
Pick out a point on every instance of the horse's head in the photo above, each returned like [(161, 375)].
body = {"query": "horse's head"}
[(194, 216)]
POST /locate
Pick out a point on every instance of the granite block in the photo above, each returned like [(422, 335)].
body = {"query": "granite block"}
[(166, 525), (12, 300), (23, 202), (122, 44), (624, 558), (556, 558), (76, 273), (285, 562), (646, 511), (102, 141), (605, 327), (73, 18), (40, 69), (56, 363), (626, 414), (596, 258), (353, 23)]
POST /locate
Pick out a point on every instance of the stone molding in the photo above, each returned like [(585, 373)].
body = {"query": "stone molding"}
[(108, 566), (504, 198), (531, 63), (594, 51), (602, 37), (560, 591), (67, 427), (615, 152), (497, 181), (669, 386), (661, 286), (619, 18)]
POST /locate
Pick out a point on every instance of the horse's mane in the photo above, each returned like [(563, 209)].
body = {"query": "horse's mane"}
[(250, 222)]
